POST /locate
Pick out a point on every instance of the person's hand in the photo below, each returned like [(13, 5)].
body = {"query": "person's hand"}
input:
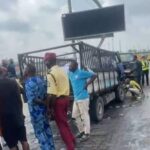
[(50, 114)]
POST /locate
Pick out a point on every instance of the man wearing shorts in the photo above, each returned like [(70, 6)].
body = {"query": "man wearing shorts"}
[(11, 116)]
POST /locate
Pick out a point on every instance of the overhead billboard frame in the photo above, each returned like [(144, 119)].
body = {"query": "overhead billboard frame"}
[(72, 28)]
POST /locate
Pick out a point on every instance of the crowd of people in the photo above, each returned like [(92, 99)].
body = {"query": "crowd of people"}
[(9, 67), (139, 71), (50, 100), (46, 100)]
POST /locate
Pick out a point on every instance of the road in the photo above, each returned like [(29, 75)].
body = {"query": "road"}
[(124, 127)]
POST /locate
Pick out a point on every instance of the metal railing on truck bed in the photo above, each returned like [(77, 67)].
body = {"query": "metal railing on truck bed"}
[(100, 61)]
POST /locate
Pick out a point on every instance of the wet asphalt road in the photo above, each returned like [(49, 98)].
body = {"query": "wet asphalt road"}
[(124, 127)]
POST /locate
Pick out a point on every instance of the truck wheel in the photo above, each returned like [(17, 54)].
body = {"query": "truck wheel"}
[(97, 109), (120, 94)]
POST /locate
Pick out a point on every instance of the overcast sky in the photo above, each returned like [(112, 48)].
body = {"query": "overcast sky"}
[(34, 24)]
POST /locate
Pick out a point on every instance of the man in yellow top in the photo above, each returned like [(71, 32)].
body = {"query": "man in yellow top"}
[(145, 70), (58, 98), (134, 88)]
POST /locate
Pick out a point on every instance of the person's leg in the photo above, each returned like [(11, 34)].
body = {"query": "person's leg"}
[(48, 134), (0, 147), (22, 137), (76, 114), (84, 110), (136, 92), (147, 77), (139, 79), (60, 115), (143, 75), (25, 145), (40, 133), (9, 132), (14, 148)]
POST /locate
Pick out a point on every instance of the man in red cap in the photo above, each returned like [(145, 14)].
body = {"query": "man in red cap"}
[(58, 98)]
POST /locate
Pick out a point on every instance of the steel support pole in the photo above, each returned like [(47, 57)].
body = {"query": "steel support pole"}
[(70, 11), (100, 6), (97, 3)]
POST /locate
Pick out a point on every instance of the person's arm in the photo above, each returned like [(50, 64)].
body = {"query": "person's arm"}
[(135, 67), (17, 90), (31, 92), (39, 102), (51, 91), (87, 75), (30, 89), (90, 81), (50, 101)]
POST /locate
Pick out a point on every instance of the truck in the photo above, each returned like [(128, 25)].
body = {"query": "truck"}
[(103, 90)]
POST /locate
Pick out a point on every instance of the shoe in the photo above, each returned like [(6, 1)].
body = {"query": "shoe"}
[(84, 138), (79, 135)]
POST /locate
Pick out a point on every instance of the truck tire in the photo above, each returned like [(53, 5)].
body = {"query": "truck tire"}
[(97, 109), (120, 94)]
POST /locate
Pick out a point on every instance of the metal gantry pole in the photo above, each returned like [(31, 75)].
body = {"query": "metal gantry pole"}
[(70, 11), (97, 3), (99, 6), (69, 6)]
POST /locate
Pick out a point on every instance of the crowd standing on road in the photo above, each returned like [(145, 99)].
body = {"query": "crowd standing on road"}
[(50, 99)]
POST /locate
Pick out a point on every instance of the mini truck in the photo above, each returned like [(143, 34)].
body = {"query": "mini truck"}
[(103, 62)]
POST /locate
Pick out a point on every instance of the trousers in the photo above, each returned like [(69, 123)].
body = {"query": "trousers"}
[(81, 114), (60, 115), (44, 134), (145, 73)]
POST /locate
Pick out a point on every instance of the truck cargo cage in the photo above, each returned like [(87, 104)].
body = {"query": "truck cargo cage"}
[(100, 61)]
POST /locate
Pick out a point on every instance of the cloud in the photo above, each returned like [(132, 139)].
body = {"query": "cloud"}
[(34, 24), (7, 5), (15, 26)]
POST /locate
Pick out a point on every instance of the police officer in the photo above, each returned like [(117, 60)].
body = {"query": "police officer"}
[(145, 70)]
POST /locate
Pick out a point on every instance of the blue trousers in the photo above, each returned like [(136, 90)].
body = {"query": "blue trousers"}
[(44, 134)]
